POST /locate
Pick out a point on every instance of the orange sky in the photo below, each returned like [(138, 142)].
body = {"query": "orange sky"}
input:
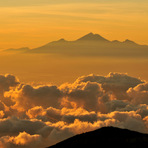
[(34, 24)]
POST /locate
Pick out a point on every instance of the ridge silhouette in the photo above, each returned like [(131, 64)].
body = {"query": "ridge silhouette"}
[(92, 37), (91, 45), (106, 137)]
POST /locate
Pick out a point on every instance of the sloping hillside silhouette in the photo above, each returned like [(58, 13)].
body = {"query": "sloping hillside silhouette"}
[(106, 137)]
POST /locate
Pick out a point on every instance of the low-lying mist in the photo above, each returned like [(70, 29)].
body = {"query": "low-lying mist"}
[(58, 69)]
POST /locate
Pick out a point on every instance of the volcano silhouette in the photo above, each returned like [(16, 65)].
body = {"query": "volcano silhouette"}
[(92, 45)]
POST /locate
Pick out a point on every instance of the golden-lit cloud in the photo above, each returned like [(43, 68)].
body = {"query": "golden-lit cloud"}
[(34, 96), (139, 94), (22, 140), (40, 116)]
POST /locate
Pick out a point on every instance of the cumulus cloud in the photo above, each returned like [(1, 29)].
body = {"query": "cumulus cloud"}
[(117, 81), (139, 94), (40, 116), (130, 120), (23, 140), (27, 96), (36, 111), (85, 94), (7, 81)]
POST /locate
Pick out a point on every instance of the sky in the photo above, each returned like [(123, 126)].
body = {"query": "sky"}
[(32, 23), (46, 98)]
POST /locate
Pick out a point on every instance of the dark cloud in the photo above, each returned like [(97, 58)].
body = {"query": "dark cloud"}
[(85, 94), (7, 81)]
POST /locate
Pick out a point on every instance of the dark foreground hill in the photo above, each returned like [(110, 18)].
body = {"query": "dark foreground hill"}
[(106, 137)]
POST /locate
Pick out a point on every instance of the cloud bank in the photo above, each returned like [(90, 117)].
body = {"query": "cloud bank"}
[(40, 116)]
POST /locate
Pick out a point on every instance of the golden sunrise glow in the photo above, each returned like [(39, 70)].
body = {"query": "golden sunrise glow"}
[(68, 67), (35, 25)]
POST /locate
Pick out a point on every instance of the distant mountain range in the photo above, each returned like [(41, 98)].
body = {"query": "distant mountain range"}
[(23, 49), (90, 45), (106, 137)]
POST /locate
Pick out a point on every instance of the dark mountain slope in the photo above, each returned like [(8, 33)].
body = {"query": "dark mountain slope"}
[(106, 137)]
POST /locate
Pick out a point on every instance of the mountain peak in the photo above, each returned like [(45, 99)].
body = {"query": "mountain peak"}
[(127, 41), (61, 40), (116, 41), (91, 33), (92, 37)]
